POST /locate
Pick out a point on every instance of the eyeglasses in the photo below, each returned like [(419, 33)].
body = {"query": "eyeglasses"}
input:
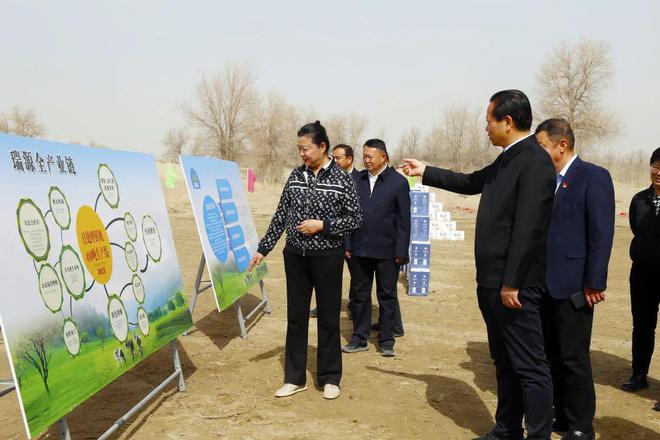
[(655, 170)]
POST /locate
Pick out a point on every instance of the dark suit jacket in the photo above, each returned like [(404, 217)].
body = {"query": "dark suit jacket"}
[(385, 231), (517, 191), (581, 230), (645, 226)]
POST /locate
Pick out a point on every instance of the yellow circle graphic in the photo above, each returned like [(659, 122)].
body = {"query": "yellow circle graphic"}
[(94, 244)]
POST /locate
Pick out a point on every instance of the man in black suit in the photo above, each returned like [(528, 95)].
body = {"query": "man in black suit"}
[(579, 247), (379, 246), (517, 192)]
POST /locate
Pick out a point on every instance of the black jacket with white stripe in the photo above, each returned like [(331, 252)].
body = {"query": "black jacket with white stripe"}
[(329, 196)]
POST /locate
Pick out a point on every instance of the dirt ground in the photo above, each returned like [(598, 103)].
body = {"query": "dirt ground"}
[(441, 385)]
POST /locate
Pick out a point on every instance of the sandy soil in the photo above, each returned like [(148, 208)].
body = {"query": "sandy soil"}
[(441, 385)]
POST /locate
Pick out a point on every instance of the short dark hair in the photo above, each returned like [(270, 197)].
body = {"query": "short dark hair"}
[(378, 144), (515, 104), (655, 156), (348, 150), (557, 129), (316, 133)]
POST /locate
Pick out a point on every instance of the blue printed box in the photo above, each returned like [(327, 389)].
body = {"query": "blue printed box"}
[(420, 256), (418, 283), (419, 204), (419, 229)]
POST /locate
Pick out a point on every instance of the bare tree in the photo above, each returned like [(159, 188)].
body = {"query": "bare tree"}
[(347, 129), (36, 354), (175, 140), (22, 123), (274, 137), (570, 85), (223, 109), (409, 146)]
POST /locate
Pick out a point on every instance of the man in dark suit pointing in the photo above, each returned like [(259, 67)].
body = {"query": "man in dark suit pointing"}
[(517, 192), (579, 247)]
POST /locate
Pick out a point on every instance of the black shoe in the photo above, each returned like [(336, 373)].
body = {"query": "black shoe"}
[(578, 435), (313, 313), (656, 407), (387, 352), (354, 347), (635, 383)]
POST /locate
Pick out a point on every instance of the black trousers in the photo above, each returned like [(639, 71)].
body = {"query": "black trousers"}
[(398, 322), (524, 384), (323, 274), (644, 299), (567, 333), (387, 275)]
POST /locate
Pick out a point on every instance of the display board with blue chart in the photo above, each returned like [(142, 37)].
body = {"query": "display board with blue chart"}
[(225, 226)]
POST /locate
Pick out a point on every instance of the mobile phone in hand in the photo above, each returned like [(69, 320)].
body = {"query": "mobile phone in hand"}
[(578, 300)]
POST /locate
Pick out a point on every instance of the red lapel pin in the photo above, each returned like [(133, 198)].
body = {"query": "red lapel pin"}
[(564, 185)]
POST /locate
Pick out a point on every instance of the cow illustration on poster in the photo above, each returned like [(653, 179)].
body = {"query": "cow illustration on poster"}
[(224, 221), (92, 281)]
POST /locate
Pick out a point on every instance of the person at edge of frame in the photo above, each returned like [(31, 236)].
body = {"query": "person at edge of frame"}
[(644, 216)]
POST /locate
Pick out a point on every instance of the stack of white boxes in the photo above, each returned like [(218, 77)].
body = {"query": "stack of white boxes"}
[(441, 226)]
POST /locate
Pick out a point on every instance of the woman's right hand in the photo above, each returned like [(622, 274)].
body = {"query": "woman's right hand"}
[(255, 261), (413, 167)]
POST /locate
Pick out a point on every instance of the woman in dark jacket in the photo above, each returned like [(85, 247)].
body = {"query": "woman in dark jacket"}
[(319, 204), (644, 288)]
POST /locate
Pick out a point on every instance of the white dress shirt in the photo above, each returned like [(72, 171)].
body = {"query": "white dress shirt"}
[(372, 178)]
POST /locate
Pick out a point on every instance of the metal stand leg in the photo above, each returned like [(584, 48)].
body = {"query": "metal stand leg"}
[(177, 366), (178, 374), (241, 319), (65, 434), (8, 385), (197, 288), (262, 286)]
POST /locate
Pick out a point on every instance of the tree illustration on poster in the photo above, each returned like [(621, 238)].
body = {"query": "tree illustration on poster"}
[(92, 256)]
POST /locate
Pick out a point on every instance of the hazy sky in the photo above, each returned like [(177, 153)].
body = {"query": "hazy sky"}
[(117, 72)]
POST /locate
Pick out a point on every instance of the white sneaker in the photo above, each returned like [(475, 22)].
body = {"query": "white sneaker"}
[(289, 389), (331, 391)]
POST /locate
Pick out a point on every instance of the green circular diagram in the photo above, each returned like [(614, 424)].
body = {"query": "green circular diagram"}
[(108, 185), (138, 288), (151, 238), (130, 226), (59, 207), (72, 273), (131, 256), (71, 337), (33, 229), (118, 318), (143, 321), (50, 288)]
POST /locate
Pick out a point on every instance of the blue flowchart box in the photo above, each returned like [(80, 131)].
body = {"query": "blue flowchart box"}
[(242, 257), (236, 236), (230, 212), (224, 189)]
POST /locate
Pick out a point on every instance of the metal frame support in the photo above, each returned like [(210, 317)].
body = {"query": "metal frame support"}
[(202, 285), (178, 373), (8, 385)]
